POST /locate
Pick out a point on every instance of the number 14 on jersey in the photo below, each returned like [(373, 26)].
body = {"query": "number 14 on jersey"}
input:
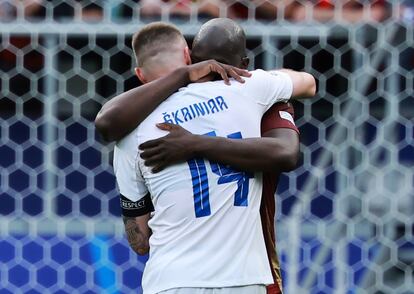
[(226, 175)]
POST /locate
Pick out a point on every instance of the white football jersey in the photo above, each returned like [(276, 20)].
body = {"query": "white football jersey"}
[(206, 228)]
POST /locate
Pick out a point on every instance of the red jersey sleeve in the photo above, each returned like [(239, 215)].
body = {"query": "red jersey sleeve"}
[(280, 115)]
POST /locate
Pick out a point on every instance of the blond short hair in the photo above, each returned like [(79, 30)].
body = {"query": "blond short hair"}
[(154, 38)]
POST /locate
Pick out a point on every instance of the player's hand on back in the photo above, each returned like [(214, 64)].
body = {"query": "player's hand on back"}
[(206, 70), (172, 148)]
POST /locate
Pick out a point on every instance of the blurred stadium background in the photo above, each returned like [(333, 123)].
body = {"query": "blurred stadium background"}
[(345, 216)]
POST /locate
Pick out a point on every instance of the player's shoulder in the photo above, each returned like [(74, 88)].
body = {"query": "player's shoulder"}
[(258, 78), (258, 73), (262, 74), (262, 79), (256, 82)]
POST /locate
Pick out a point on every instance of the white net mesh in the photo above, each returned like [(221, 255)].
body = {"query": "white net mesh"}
[(344, 216)]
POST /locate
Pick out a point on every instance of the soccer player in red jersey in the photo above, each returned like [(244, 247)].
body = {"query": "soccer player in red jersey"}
[(278, 153), (279, 118)]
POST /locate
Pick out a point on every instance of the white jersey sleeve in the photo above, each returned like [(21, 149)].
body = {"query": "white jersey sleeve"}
[(127, 170), (270, 87)]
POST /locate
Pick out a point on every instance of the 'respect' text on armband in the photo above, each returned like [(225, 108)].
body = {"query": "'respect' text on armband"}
[(136, 208)]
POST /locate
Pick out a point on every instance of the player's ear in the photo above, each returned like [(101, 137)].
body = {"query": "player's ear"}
[(187, 56), (139, 73)]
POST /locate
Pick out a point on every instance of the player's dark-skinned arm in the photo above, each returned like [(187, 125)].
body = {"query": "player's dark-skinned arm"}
[(278, 151), (286, 154), (123, 113)]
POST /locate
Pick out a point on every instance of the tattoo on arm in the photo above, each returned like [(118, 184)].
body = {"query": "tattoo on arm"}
[(138, 238)]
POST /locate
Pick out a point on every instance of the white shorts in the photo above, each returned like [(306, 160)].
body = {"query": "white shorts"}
[(251, 289)]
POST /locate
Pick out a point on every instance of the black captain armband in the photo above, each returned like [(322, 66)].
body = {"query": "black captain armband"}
[(133, 209)]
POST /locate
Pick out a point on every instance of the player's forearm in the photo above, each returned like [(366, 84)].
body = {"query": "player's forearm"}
[(255, 154), (125, 112), (138, 233)]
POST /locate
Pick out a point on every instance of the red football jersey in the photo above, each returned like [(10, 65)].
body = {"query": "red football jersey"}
[(280, 115)]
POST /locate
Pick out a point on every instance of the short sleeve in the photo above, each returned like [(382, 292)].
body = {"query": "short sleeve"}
[(280, 115), (127, 172), (268, 88)]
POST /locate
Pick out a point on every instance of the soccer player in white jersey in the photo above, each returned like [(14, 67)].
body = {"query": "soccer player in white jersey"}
[(206, 226)]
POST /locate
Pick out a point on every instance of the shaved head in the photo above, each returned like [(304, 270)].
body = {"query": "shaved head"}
[(221, 39)]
